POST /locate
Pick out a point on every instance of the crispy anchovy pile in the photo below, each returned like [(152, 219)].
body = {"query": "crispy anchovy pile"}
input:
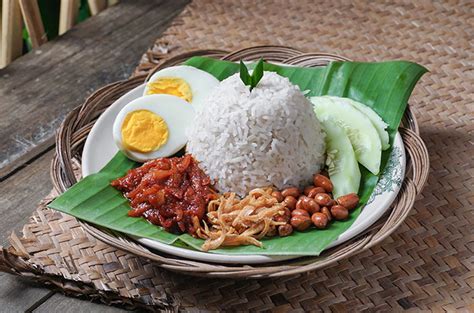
[(234, 222)]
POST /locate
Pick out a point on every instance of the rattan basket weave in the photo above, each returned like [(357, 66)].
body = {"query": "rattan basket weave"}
[(75, 128)]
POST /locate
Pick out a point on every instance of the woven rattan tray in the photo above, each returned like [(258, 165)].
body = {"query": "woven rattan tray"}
[(78, 123)]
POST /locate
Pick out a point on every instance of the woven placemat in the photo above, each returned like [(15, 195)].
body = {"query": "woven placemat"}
[(426, 264)]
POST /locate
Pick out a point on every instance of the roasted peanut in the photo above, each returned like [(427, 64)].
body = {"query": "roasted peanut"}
[(313, 192), (301, 212), (283, 218), (307, 189), (277, 195), (292, 191), (310, 205), (299, 203), (323, 182), (320, 220), (300, 222), (323, 199), (285, 230), (349, 201), (339, 212), (290, 202), (326, 211)]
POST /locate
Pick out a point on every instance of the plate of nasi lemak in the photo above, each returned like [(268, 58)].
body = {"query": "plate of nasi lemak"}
[(250, 162)]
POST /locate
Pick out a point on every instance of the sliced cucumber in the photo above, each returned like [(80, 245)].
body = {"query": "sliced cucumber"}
[(342, 165), (358, 127), (376, 120)]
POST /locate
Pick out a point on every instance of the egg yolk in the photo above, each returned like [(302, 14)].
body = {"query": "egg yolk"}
[(144, 131), (172, 86)]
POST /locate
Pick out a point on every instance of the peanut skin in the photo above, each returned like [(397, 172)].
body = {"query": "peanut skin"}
[(290, 202), (339, 212), (285, 230), (300, 222), (320, 220), (326, 211), (299, 203), (300, 212), (277, 195), (314, 191), (323, 199), (323, 182), (310, 205), (349, 201), (292, 191), (307, 190)]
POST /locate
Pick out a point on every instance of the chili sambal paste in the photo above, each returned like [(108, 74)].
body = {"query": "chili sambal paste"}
[(169, 192)]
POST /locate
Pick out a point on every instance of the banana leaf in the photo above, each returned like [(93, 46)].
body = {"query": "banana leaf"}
[(384, 86)]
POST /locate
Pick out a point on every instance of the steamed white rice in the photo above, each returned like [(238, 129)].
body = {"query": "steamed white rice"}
[(270, 136)]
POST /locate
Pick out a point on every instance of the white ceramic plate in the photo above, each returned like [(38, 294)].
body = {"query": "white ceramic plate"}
[(100, 148)]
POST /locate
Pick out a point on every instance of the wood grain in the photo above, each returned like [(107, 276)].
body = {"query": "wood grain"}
[(96, 6), (38, 90), (101, 50), (34, 24), (18, 295), (21, 193), (11, 36), (68, 12)]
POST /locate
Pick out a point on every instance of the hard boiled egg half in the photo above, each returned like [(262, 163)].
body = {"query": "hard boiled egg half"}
[(186, 82), (153, 126)]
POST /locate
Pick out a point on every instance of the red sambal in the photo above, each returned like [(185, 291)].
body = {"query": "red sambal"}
[(170, 192)]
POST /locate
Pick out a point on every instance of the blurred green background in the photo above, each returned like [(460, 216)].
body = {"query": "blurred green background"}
[(49, 10)]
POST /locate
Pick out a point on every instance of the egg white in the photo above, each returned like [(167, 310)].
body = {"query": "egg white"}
[(176, 112), (200, 82)]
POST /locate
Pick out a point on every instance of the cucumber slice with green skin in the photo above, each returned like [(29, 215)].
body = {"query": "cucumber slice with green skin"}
[(342, 165), (376, 120), (363, 136)]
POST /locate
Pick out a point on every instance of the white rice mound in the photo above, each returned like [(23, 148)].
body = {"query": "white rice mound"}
[(267, 137)]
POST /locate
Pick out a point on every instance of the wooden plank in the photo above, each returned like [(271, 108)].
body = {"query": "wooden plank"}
[(11, 36), (37, 93), (60, 61), (59, 303), (18, 295), (20, 195), (1, 27), (97, 6), (85, 35), (68, 12), (34, 24)]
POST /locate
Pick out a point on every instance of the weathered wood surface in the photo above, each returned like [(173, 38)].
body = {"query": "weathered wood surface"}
[(36, 92), (18, 295), (20, 194), (10, 32), (32, 20)]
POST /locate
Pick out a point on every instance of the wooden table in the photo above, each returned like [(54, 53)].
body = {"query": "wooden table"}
[(36, 92)]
